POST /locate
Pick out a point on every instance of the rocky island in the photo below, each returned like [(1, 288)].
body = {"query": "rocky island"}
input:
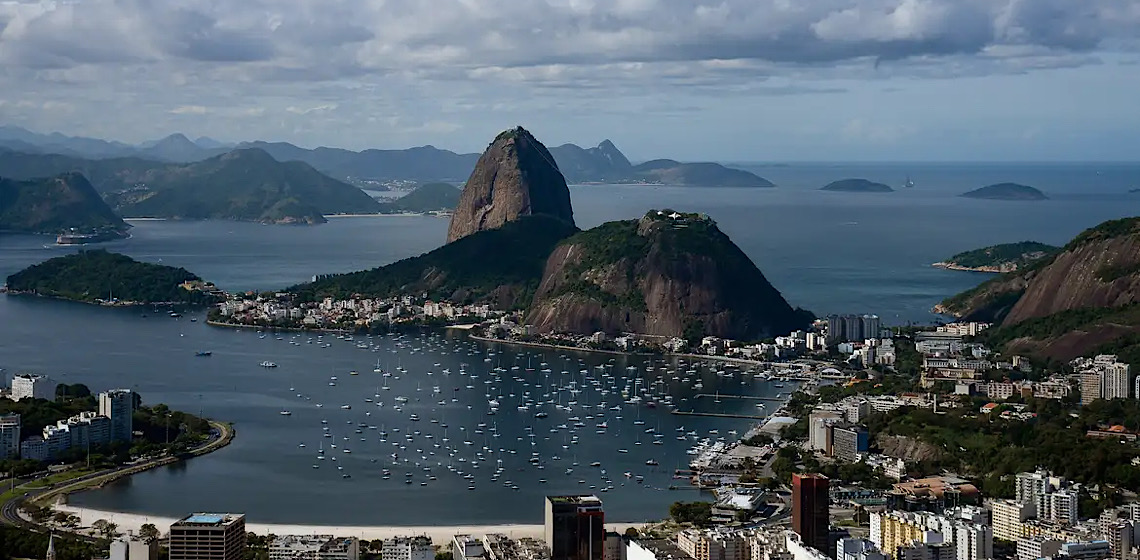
[(1006, 257), (1006, 191), (66, 204), (856, 185), (105, 278)]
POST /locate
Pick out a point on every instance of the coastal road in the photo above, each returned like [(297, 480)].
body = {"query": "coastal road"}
[(10, 509)]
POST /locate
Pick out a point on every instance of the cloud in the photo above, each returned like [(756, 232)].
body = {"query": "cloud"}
[(293, 67)]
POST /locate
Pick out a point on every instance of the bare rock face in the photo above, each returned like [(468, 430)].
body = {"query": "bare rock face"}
[(515, 176), (668, 274)]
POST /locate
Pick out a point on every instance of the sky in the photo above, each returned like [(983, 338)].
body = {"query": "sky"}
[(724, 80)]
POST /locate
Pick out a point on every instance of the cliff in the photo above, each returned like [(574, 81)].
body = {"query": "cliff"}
[(54, 204), (1080, 300), (516, 176), (666, 274)]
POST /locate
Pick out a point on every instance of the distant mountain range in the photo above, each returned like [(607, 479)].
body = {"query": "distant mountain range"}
[(242, 184), (603, 163)]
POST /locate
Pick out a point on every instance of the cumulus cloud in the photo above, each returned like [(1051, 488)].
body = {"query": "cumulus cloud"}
[(371, 60)]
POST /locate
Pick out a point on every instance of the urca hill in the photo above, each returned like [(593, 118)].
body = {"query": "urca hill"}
[(512, 242), (666, 274)]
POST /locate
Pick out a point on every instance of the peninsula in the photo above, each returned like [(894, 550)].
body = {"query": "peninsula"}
[(430, 197), (856, 185), (1006, 191), (1006, 257), (105, 278)]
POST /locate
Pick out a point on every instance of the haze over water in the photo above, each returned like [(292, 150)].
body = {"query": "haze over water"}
[(827, 252)]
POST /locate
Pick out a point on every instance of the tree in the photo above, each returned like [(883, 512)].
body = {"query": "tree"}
[(108, 529), (632, 532), (148, 532)]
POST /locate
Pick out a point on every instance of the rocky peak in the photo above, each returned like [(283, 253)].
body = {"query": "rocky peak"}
[(516, 176), (612, 154)]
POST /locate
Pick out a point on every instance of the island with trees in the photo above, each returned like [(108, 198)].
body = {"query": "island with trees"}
[(1006, 191), (1006, 257), (857, 185), (106, 278)]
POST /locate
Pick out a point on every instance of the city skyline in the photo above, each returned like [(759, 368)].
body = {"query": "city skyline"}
[(883, 80)]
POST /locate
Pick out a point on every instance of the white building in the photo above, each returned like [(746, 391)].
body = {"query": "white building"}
[(314, 547), (1008, 516), (407, 548), (1050, 496), (130, 548), (1116, 381), (1032, 548), (28, 386), (800, 551), (9, 436), (119, 406), (467, 547), (857, 549)]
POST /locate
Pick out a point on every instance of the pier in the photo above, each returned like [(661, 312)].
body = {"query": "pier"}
[(748, 397), (718, 414)]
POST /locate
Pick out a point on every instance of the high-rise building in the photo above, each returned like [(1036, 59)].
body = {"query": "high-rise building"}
[(811, 512), (28, 386), (712, 545), (119, 406), (1116, 381), (857, 549), (575, 527), (208, 536), (1090, 386), (1008, 516), (848, 443), (9, 436)]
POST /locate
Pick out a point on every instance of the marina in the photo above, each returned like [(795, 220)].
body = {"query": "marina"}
[(427, 418)]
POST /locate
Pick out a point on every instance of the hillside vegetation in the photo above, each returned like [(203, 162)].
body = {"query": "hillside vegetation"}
[(54, 204), (93, 275), (501, 266)]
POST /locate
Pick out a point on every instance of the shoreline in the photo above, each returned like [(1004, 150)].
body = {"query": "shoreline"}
[(223, 325), (960, 268), (440, 534), (560, 347)]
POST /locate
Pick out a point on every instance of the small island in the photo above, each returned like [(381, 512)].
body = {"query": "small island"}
[(427, 198), (856, 185), (105, 278), (1006, 191), (1006, 257)]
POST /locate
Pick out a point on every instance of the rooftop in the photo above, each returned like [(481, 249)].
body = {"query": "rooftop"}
[(575, 499), (211, 519), (662, 549)]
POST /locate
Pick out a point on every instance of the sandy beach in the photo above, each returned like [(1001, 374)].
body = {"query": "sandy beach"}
[(438, 534)]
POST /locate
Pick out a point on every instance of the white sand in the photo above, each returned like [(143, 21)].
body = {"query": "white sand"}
[(440, 535)]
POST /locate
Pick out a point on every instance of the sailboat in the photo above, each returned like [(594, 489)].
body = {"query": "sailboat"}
[(908, 184)]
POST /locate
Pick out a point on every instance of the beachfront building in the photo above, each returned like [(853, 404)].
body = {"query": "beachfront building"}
[(28, 386), (314, 547), (407, 548), (208, 536), (466, 547), (575, 527), (119, 406), (133, 548)]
